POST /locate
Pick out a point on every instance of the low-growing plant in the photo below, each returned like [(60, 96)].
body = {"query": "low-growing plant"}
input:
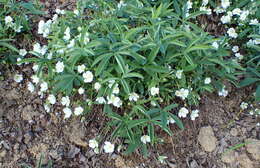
[(14, 24)]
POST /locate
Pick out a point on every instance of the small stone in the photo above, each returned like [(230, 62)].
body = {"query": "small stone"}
[(234, 132), (228, 157), (207, 139), (253, 148), (244, 161), (120, 162), (2, 153)]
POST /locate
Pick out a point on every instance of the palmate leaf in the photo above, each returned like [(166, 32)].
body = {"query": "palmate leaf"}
[(64, 83), (248, 81)]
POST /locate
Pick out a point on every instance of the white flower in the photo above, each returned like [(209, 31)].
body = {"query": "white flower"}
[(93, 143), (239, 56), (232, 33), (67, 34), (223, 92), (22, 52), (59, 67), (116, 101), (67, 111), (182, 93), (244, 15), (183, 112), (54, 18), (49, 56), (116, 89), (78, 110), (97, 86), (189, 5), (154, 91), (76, 12), (81, 68), (88, 77), (121, 4), (219, 10), (86, 38), (52, 99), (208, 10), (44, 86), (18, 78), (253, 22), (179, 74), (65, 101), (8, 20), (35, 79), (215, 45), (44, 28), (38, 49), (71, 44), (30, 87), (133, 96), (47, 108), (18, 60), (225, 3), (236, 11), (108, 147), (170, 120), (81, 91), (145, 139), (153, 103), (205, 2), (225, 19), (61, 12), (111, 83), (235, 49), (35, 67), (243, 105), (194, 114), (207, 80), (101, 100)]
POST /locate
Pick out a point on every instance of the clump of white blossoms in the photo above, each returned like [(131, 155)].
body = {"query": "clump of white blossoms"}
[(215, 45), (44, 86), (182, 93), (59, 67), (109, 147), (60, 12), (78, 110), (44, 28), (133, 96), (38, 49), (9, 21), (239, 56), (116, 89), (205, 9), (243, 105), (226, 18), (183, 112), (67, 34), (52, 99), (154, 91), (93, 143), (116, 101), (18, 78), (22, 52), (88, 77), (225, 3), (236, 11), (223, 92), (232, 32), (81, 68), (145, 139), (65, 101), (253, 22), (101, 100), (205, 2), (244, 15), (81, 90), (67, 111), (207, 80), (179, 74), (97, 86), (30, 87), (194, 114)]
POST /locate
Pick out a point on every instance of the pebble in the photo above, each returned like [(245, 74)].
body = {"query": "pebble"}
[(207, 139)]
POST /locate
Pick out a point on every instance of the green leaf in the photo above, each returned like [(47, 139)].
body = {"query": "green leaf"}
[(170, 107), (125, 86), (133, 75), (9, 46), (156, 68), (134, 123), (248, 81), (198, 47), (131, 148), (153, 54), (121, 63), (177, 120), (31, 8), (151, 132), (102, 65)]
